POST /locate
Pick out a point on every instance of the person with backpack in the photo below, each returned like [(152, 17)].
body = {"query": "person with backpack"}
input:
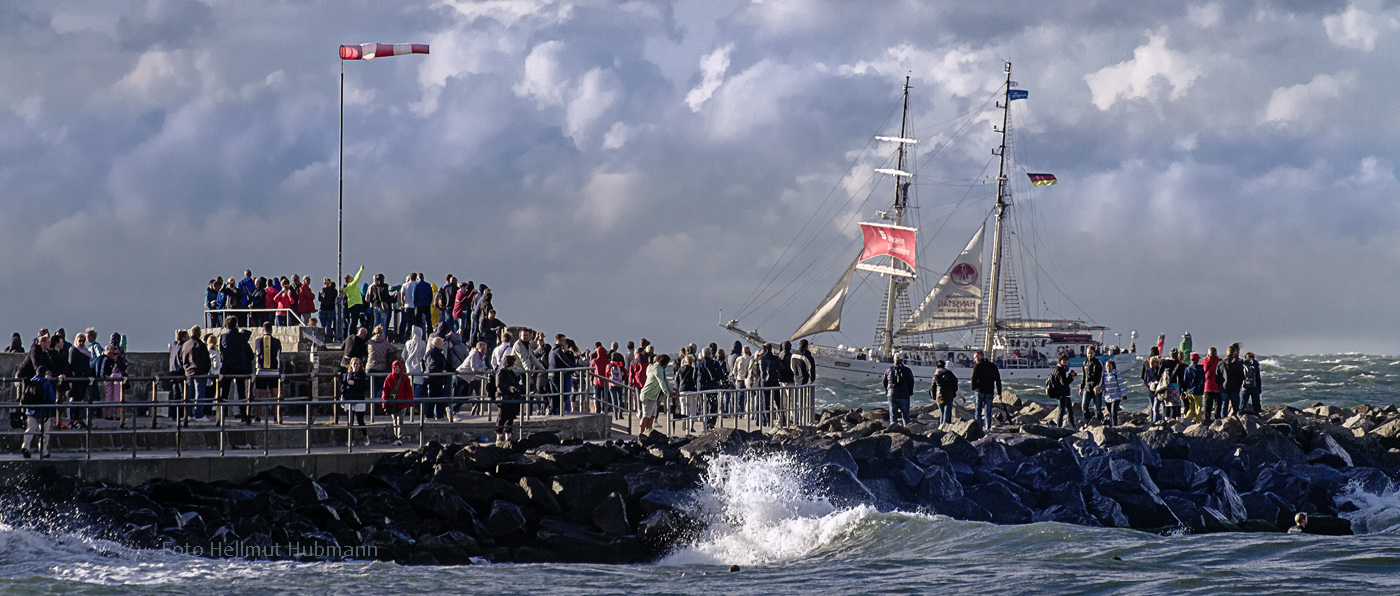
[(1113, 390), (944, 390), (1252, 383), (1193, 385), (617, 373), (1058, 387)]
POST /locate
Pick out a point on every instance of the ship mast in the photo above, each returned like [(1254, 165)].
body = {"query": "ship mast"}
[(1002, 204), (896, 214)]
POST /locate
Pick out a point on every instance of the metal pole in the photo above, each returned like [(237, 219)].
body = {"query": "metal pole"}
[(340, 208)]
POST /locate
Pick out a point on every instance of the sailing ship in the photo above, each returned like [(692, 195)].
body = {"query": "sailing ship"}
[(963, 301)]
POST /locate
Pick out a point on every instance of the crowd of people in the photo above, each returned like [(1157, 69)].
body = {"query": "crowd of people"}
[(56, 371), (1180, 385)]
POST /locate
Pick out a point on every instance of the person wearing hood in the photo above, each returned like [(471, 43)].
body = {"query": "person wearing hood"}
[(803, 348), (112, 365), (436, 385), (16, 344), (601, 364), (1252, 384), (899, 388), (397, 392), (1210, 364), (414, 352), (377, 363)]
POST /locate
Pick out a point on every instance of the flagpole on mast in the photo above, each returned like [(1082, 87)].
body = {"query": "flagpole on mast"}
[(340, 208)]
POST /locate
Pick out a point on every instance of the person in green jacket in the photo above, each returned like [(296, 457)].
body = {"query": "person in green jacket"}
[(354, 302), (656, 387)]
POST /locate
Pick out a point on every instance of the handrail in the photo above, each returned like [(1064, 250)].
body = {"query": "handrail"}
[(286, 311)]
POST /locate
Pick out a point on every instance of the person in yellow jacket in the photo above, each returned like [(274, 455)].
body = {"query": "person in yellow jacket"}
[(354, 302)]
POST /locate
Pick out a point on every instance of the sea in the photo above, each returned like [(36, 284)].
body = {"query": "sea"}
[(766, 517)]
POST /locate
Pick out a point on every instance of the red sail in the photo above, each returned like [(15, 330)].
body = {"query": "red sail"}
[(895, 241)]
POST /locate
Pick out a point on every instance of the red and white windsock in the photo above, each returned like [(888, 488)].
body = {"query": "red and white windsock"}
[(370, 51)]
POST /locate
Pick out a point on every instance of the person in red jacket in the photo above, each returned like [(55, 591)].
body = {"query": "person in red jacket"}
[(1212, 385), (306, 301), (398, 398), (600, 363), (284, 301)]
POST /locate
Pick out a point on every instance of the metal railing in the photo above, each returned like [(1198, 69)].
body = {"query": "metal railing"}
[(291, 318), (295, 403)]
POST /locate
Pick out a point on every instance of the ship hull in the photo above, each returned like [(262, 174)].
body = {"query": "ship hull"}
[(850, 369)]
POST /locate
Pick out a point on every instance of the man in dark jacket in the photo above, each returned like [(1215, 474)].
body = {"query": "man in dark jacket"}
[(1089, 385), (711, 379), (811, 360), (446, 298), (194, 358), (1252, 385), (381, 303), (899, 387), (986, 385), (423, 303), (356, 346), (1059, 388), (1232, 374), (785, 374), (238, 360), (770, 368), (944, 389)]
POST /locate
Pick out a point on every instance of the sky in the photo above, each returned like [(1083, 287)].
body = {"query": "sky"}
[(617, 170)]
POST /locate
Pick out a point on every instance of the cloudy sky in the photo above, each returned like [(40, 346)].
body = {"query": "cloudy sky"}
[(625, 169)]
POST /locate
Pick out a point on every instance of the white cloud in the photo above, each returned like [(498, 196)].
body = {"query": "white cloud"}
[(1356, 28), (1136, 78), (159, 78), (596, 93), (1204, 16), (606, 198), (712, 69), (1305, 102), (543, 79), (510, 12)]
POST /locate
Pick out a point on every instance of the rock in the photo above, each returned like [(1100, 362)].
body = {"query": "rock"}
[(537, 440), (995, 455), (1326, 458), (1328, 526), (841, 487), (1003, 505), (713, 442), (439, 501), (1144, 509), (567, 458), (1176, 473), (1106, 437), (610, 516), (586, 490), (539, 495), (1336, 449), (1367, 479), (283, 476), (1167, 444), (1261, 506), (663, 500), (659, 528), (1046, 431), (308, 493), (959, 449), (970, 430), (869, 449), (942, 493), (1059, 466), (527, 464), (505, 520), (1220, 494), (1291, 486)]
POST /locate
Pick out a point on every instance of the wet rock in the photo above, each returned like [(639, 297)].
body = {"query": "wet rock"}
[(308, 493), (841, 487), (439, 501), (505, 520), (970, 430), (1143, 509), (586, 490), (610, 516), (1291, 486), (713, 442), (1176, 473), (567, 458)]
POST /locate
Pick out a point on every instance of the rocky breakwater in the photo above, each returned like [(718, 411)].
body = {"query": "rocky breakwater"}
[(633, 501)]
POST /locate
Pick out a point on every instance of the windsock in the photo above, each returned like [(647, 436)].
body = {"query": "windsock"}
[(370, 51)]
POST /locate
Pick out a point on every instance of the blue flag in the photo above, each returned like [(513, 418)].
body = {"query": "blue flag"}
[(1018, 94)]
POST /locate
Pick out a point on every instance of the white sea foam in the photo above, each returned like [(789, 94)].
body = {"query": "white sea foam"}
[(759, 512), (1374, 512), (1270, 363)]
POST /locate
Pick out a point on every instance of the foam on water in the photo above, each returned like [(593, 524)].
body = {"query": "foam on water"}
[(1374, 513), (759, 511)]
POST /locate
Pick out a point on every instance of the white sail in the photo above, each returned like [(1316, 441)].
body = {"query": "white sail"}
[(827, 316), (957, 297)]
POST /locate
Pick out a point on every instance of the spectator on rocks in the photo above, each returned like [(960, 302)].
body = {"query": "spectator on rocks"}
[(354, 387), (1193, 384), (944, 389), (435, 387), (1232, 373), (194, 357), (397, 393), (268, 354), (986, 384), (509, 393), (654, 388), (1252, 384), (1058, 388), (1089, 393), (326, 301), (899, 387), (238, 365), (1152, 378), (1113, 391), (1214, 406)]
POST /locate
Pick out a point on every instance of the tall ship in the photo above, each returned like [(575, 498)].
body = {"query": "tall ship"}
[(967, 309)]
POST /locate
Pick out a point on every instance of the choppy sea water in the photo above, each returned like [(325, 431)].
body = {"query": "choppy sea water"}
[(765, 517)]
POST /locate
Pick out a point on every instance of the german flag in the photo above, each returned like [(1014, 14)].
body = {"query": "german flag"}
[(1042, 179)]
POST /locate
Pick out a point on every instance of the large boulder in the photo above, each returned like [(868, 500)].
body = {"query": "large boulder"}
[(999, 501), (1143, 508), (539, 495), (941, 492), (1220, 494), (1292, 486), (959, 449), (841, 487), (435, 500), (1176, 473), (586, 490), (568, 458), (1107, 511), (967, 429), (505, 520), (714, 442), (610, 516)]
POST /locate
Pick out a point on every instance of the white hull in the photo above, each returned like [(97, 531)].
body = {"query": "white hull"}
[(850, 369)]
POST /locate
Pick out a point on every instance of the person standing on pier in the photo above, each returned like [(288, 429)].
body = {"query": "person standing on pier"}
[(1232, 378), (769, 368), (1211, 364), (1112, 390), (194, 357), (509, 393), (655, 387), (945, 390), (354, 303), (238, 365), (381, 303), (268, 353), (354, 387), (899, 387), (986, 385), (326, 301)]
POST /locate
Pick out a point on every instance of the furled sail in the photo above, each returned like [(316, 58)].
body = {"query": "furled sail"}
[(957, 297), (827, 316)]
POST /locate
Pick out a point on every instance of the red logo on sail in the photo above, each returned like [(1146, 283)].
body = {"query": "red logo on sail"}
[(963, 274), (897, 242)]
